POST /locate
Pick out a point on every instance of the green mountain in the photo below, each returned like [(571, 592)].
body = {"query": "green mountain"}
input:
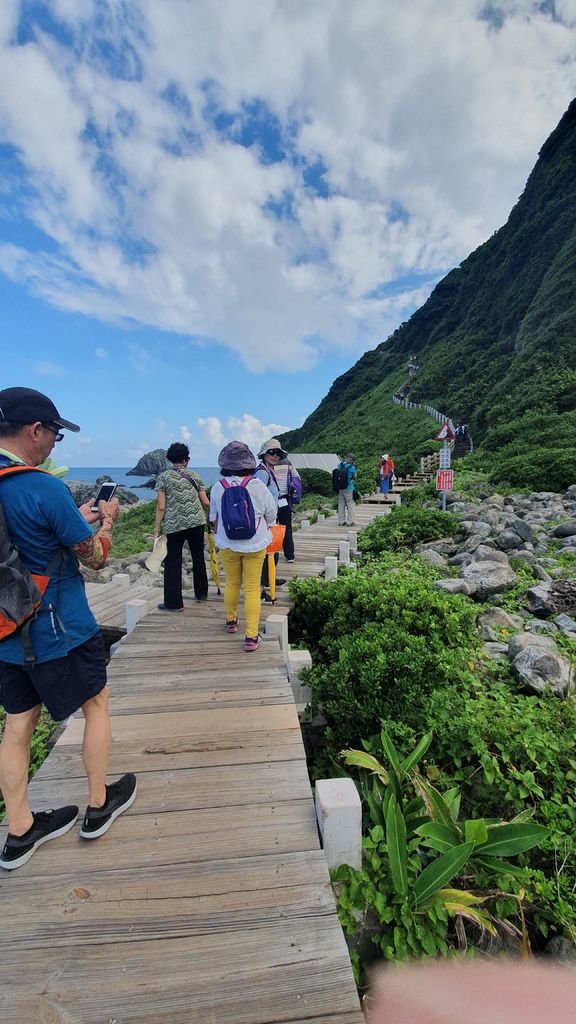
[(496, 347)]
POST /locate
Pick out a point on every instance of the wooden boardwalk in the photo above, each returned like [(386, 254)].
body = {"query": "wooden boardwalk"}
[(209, 902)]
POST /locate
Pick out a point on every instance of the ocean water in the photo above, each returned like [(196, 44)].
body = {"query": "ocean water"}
[(89, 474)]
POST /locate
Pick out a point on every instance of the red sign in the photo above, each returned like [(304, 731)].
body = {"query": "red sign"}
[(445, 480), (445, 433)]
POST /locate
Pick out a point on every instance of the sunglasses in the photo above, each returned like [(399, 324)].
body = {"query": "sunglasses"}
[(275, 451), (58, 436)]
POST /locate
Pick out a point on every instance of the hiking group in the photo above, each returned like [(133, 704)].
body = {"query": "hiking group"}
[(247, 500), (52, 652)]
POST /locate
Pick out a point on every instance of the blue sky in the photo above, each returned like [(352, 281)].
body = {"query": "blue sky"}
[(206, 216)]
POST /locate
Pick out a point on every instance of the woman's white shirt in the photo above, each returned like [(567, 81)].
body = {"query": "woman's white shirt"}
[(264, 511)]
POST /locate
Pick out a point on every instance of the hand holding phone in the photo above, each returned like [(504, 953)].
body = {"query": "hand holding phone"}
[(105, 493)]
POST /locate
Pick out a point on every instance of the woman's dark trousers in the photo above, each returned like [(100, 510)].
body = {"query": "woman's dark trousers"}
[(285, 519), (173, 565)]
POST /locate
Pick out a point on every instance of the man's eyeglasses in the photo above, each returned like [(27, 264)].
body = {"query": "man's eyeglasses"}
[(275, 451), (58, 436)]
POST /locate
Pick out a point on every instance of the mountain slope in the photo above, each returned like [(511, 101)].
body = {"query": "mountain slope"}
[(495, 343)]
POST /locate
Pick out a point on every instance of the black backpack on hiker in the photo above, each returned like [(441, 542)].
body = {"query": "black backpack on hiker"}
[(339, 478)]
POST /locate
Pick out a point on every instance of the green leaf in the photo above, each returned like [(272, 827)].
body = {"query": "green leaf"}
[(396, 846), (509, 840), (475, 830), (435, 805), (441, 871), (438, 836), (499, 867), (360, 759), (418, 752), (395, 773)]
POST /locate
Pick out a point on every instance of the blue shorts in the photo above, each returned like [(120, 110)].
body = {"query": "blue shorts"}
[(62, 685)]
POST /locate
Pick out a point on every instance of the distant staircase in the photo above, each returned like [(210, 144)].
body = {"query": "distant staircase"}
[(461, 445)]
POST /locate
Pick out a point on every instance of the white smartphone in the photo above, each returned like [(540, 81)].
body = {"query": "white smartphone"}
[(106, 492)]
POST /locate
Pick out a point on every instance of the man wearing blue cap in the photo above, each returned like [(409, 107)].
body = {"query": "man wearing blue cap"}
[(59, 662)]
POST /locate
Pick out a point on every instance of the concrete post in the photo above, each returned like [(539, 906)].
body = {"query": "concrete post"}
[(352, 538), (331, 567), (298, 660), (277, 626), (134, 611), (320, 517), (305, 523), (344, 552), (339, 816), (120, 579)]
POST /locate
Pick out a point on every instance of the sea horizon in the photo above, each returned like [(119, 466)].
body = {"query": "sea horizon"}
[(119, 474)]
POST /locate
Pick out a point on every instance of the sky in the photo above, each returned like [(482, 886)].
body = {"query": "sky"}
[(209, 211)]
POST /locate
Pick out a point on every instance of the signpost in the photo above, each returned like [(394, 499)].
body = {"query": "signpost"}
[(445, 475), (445, 455), (444, 482)]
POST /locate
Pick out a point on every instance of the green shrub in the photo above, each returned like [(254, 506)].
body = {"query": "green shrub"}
[(509, 753), (317, 481), (417, 851), (381, 639), (132, 530), (405, 527)]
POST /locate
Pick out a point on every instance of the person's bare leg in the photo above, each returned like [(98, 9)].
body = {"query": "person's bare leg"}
[(14, 764), (96, 746)]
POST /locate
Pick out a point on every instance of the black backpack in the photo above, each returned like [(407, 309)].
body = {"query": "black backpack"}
[(339, 479)]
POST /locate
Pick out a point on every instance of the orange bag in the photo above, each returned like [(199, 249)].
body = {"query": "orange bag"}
[(277, 532)]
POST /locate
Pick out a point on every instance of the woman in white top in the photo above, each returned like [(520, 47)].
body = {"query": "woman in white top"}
[(242, 559)]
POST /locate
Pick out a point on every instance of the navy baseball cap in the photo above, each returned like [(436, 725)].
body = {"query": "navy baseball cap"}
[(24, 405)]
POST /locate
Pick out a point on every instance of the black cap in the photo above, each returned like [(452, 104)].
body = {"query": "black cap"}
[(24, 405)]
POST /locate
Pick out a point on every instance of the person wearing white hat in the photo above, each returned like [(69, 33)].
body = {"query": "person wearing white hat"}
[(386, 472), (278, 473)]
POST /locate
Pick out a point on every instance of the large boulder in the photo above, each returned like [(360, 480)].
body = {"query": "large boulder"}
[(538, 668), (455, 587), (488, 578), (565, 529), (500, 619), (82, 491), (151, 464)]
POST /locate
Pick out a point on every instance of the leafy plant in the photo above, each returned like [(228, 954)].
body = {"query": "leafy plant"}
[(415, 846), (404, 528)]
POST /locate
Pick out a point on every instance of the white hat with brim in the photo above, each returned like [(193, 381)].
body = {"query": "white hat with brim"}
[(268, 445)]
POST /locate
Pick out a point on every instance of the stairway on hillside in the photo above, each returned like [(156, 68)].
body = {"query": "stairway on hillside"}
[(462, 446)]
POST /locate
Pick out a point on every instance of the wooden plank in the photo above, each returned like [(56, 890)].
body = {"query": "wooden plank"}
[(194, 725), (252, 976), (173, 753), (181, 837), (193, 788)]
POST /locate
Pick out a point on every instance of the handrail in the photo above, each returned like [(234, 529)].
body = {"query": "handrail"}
[(430, 463)]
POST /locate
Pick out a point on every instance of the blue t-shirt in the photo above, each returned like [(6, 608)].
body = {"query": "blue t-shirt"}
[(351, 470), (42, 520)]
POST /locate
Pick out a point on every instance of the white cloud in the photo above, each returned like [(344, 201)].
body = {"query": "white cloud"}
[(101, 353), (84, 440), (185, 434), (211, 428), (247, 428), (46, 369), (424, 120)]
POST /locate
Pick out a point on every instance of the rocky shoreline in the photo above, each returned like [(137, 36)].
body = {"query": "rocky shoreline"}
[(495, 536)]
